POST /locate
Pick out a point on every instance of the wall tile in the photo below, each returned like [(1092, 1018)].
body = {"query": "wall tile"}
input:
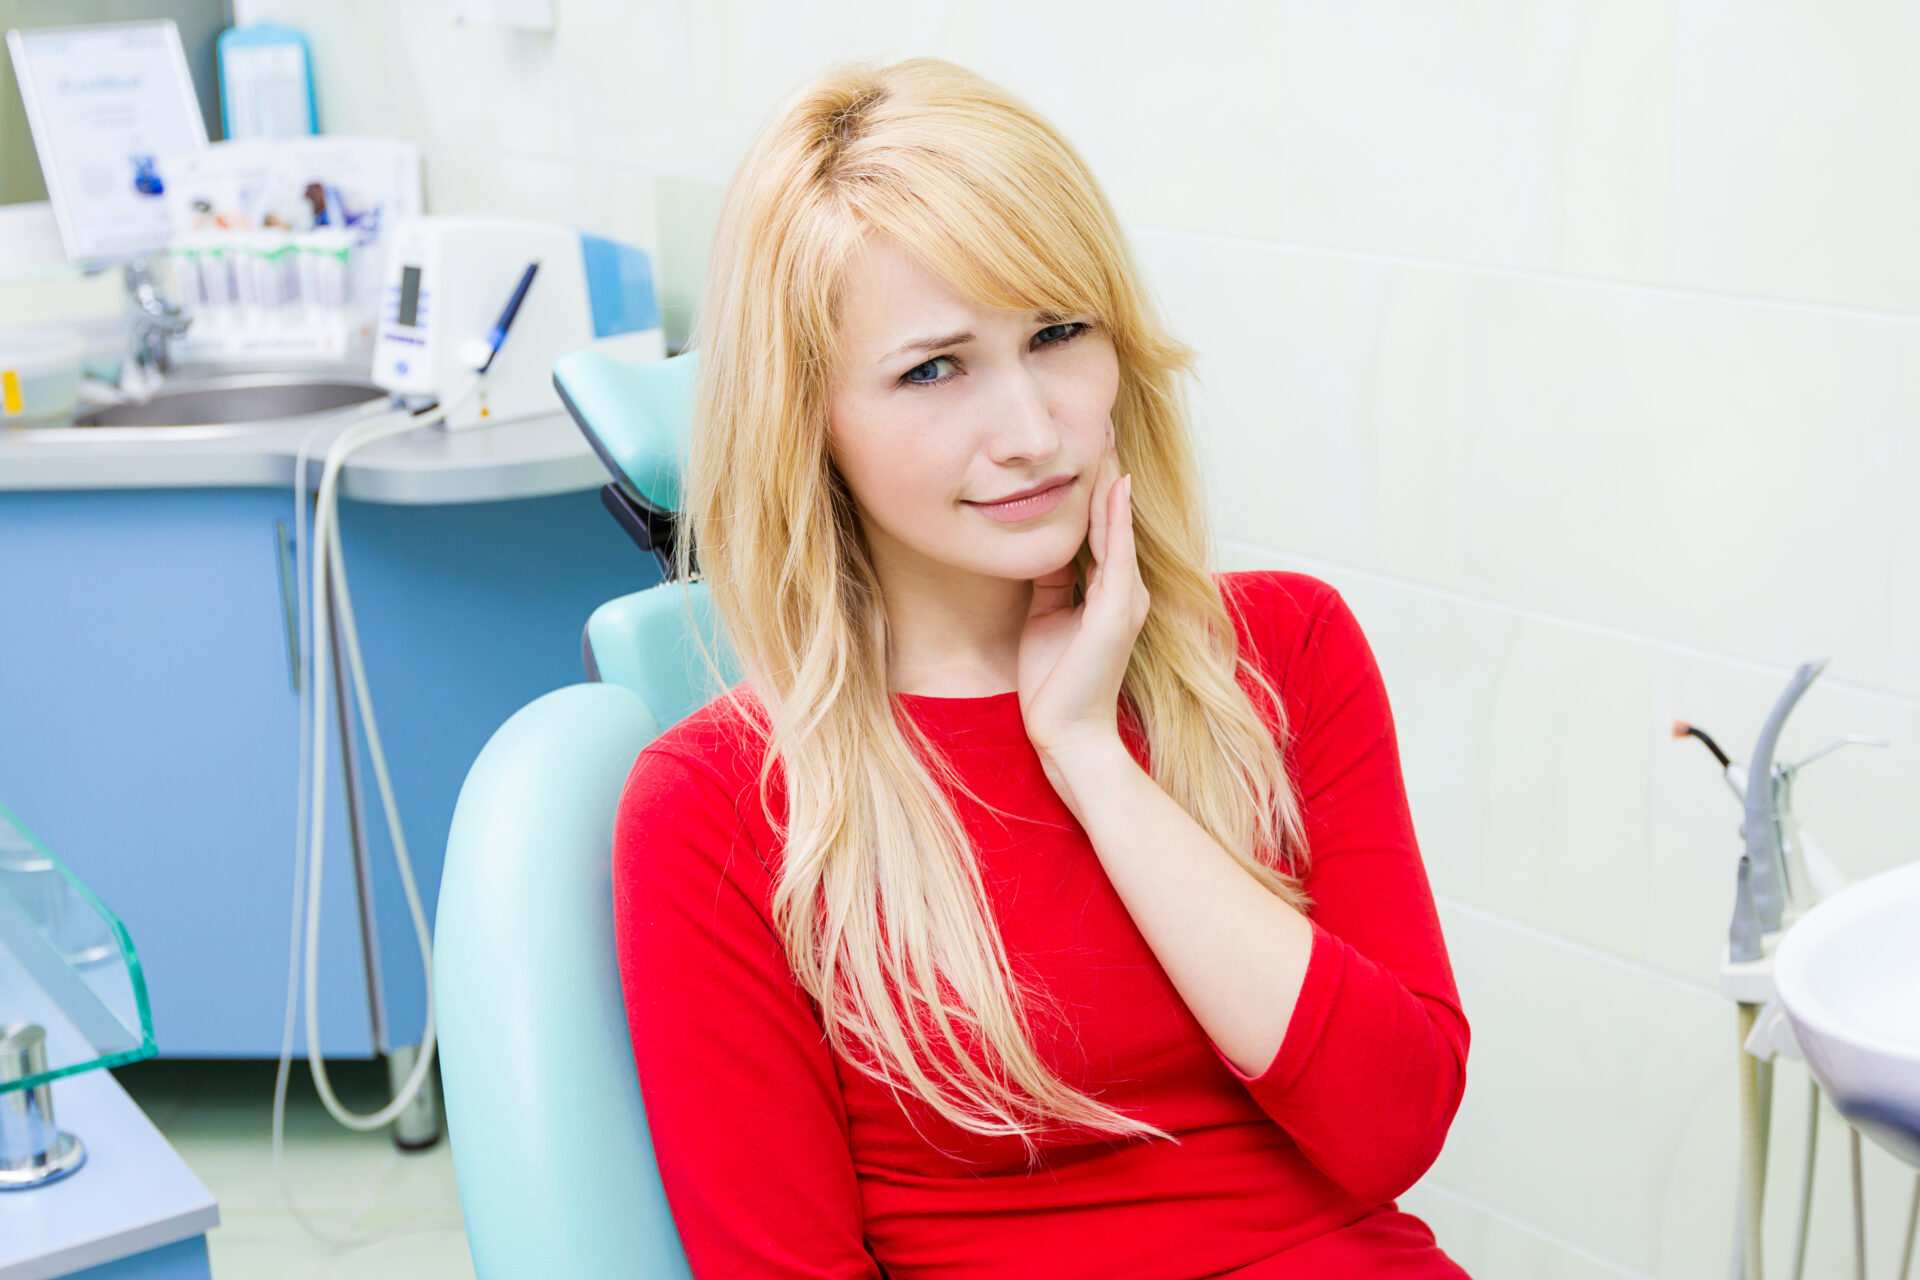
[(1179, 117), (674, 88), (1582, 1072), (1524, 744), (687, 211), (1523, 134), (31, 301), (1439, 705), (57, 295), (1903, 562), (1791, 125), (1699, 470), (359, 80), (605, 201), (1704, 471), (1531, 137), (1327, 397), (1491, 1247), (1519, 134)]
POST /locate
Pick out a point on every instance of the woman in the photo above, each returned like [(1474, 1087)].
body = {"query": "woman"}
[(1040, 904)]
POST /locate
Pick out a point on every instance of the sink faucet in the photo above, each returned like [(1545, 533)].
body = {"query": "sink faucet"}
[(152, 323)]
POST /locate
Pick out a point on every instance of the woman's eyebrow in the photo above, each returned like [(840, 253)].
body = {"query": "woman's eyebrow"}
[(926, 344)]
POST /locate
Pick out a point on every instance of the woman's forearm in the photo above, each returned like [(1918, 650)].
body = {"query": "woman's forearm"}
[(1236, 953)]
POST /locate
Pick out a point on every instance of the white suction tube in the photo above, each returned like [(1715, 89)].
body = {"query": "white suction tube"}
[(328, 568)]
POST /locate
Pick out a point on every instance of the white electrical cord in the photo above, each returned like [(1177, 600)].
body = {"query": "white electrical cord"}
[(365, 426)]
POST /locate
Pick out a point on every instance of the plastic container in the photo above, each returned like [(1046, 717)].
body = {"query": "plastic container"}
[(39, 376)]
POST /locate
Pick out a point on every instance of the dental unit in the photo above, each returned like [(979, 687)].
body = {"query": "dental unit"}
[(1781, 875), (473, 315)]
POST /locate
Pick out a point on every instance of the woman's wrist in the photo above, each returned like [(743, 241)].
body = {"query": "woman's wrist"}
[(1083, 770)]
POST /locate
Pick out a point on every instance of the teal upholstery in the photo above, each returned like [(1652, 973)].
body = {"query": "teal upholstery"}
[(550, 1144), (549, 1135), (644, 642), (636, 414)]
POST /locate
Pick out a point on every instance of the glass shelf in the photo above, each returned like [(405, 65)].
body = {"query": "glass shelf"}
[(66, 963)]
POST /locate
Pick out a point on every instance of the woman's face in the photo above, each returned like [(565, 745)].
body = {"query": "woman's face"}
[(941, 411)]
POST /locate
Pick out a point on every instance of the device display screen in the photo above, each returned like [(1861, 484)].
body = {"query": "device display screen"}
[(409, 295)]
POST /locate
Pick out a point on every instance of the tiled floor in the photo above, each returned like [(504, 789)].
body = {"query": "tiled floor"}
[(218, 1116)]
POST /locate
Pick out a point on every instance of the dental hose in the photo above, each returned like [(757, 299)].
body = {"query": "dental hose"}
[(327, 559), (362, 428), (1753, 1163)]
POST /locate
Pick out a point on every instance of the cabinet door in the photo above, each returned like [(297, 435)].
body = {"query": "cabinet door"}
[(149, 735)]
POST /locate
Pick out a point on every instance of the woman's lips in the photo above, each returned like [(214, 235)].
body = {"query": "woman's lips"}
[(1025, 508)]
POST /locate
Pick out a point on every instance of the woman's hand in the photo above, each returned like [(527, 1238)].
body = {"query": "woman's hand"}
[(1073, 657)]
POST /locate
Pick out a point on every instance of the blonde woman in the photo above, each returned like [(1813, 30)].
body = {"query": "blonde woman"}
[(1040, 903)]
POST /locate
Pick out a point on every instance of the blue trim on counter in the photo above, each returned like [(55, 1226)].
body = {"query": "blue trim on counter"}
[(181, 1260)]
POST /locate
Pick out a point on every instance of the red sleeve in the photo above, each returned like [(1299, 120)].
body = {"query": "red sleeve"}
[(745, 1111), (1373, 1063)]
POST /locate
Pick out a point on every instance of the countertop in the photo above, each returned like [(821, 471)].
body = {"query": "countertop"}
[(526, 459)]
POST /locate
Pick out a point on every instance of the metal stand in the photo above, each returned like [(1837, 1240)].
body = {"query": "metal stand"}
[(33, 1150), (418, 1125)]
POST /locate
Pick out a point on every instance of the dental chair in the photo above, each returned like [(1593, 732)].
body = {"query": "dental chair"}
[(550, 1145)]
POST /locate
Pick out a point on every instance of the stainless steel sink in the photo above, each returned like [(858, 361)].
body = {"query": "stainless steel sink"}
[(256, 399)]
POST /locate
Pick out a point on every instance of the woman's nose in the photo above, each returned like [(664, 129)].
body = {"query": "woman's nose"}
[(1023, 429)]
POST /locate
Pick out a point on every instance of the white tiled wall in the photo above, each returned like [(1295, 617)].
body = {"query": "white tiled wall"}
[(1577, 343)]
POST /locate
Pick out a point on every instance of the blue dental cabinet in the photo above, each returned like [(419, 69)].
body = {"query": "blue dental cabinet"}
[(149, 720)]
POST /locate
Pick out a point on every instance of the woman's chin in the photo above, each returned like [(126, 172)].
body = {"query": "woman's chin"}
[(1016, 556), (1027, 568)]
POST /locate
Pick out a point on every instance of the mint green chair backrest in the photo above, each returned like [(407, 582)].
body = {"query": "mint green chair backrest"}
[(635, 414), (648, 642), (549, 1131)]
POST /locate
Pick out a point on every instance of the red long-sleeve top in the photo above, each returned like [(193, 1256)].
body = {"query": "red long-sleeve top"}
[(781, 1160)]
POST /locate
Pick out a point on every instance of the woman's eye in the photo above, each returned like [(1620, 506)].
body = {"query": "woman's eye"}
[(920, 368), (1061, 333)]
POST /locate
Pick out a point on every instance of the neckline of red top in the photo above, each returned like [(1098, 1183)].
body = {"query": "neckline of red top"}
[(994, 718)]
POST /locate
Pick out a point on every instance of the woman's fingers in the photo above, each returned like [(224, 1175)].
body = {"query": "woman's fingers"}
[(1117, 570), (1097, 505)]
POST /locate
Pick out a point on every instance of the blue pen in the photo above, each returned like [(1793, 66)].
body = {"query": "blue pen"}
[(498, 334)]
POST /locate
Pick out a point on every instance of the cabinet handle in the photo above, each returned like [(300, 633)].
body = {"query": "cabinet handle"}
[(289, 609)]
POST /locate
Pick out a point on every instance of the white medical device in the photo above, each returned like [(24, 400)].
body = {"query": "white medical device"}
[(499, 300)]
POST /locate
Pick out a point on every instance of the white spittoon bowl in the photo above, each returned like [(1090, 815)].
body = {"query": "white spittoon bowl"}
[(1848, 975)]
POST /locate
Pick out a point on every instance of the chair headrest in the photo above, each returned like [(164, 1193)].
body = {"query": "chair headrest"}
[(637, 415)]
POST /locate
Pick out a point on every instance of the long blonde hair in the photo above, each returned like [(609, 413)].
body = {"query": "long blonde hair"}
[(878, 896)]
